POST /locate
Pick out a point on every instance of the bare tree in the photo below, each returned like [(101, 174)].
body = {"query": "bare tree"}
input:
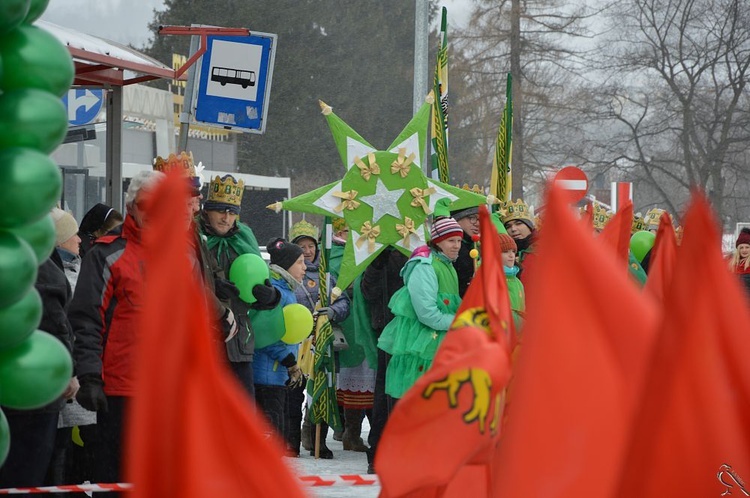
[(676, 101), (535, 41)]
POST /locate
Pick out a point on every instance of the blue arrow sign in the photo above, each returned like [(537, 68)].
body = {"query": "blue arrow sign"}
[(83, 105), (235, 81)]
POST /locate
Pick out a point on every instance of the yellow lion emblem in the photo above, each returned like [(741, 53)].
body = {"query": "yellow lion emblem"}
[(481, 384)]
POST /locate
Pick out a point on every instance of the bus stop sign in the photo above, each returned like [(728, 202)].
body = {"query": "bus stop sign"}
[(235, 81)]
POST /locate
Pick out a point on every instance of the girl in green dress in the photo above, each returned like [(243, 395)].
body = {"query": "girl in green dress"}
[(424, 308)]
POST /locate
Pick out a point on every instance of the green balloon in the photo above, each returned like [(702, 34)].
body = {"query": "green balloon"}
[(35, 372), (641, 243), (247, 271), (33, 184), (33, 118), (17, 267), (33, 58), (4, 438), (268, 326), (20, 319), (36, 9), (40, 235), (12, 13)]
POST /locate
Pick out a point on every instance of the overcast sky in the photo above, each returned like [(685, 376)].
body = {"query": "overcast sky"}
[(126, 21)]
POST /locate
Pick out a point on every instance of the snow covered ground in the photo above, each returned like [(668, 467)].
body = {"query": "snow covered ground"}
[(344, 462)]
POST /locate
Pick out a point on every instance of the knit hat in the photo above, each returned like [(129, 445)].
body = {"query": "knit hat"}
[(445, 228), (464, 213), (303, 229), (65, 225), (94, 219), (283, 253), (507, 243), (744, 237)]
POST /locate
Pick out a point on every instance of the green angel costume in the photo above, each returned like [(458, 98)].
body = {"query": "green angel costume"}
[(424, 310)]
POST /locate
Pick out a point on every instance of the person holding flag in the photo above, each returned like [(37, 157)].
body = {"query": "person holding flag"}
[(424, 308), (305, 235)]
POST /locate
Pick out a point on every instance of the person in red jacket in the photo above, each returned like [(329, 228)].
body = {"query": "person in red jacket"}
[(104, 315)]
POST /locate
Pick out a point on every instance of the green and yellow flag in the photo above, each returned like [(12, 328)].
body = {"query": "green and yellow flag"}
[(500, 178), (324, 406), (440, 108)]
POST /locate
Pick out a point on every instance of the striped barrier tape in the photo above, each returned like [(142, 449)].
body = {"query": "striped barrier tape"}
[(322, 480)]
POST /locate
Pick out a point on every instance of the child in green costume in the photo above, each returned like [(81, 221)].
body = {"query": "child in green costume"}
[(424, 308), (515, 287)]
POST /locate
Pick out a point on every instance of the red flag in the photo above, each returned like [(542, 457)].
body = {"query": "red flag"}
[(486, 303), (662, 262), (616, 233), (448, 416), (692, 430), (575, 381), (439, 438), (192, 431)]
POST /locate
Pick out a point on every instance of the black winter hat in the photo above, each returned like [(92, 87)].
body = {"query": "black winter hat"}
[(95, 218), (283, 253)]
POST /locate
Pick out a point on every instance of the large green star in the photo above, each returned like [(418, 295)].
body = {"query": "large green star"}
[(384, 196)]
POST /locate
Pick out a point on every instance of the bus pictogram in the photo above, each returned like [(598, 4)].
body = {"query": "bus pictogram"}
[(224, 75)]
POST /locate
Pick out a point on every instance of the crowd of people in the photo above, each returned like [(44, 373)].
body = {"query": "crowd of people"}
[(388, 324)]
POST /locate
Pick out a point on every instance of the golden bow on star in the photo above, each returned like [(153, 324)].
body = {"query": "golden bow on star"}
[(365, 170), (406, 229), (369, 234), (419, 195), (347, 200), (402, 164)]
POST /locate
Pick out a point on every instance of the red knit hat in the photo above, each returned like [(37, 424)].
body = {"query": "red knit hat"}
[(744, 237), (445, 228), (507, 243)]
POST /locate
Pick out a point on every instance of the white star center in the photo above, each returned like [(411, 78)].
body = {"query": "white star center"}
[(383, 202)]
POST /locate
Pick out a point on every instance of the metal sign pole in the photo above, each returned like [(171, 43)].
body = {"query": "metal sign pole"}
[(187, 102)]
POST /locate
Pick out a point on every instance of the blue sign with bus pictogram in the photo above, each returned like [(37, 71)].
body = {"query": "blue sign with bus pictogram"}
[(235, 82)]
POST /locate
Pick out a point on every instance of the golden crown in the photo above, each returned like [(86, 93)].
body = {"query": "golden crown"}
[(476, 188), (338, 224), (182, 163), (601, 216), (226, 190), (517, 211), (639, 223), (653, 216), (303, 229)]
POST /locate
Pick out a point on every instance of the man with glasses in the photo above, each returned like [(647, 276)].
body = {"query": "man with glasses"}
[(468, 219)]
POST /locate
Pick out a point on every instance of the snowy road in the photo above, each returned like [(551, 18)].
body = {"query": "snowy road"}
[(344, 462)]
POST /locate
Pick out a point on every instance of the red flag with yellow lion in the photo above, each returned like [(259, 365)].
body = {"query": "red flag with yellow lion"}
[(442, 433)]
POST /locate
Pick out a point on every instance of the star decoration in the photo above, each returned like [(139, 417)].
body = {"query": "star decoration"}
[(383, 201), (384, 196)]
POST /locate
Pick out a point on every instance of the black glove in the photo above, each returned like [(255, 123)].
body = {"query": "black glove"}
[(325, 311), (288, 361), (266, 296), (226, 290), (91, 394)]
